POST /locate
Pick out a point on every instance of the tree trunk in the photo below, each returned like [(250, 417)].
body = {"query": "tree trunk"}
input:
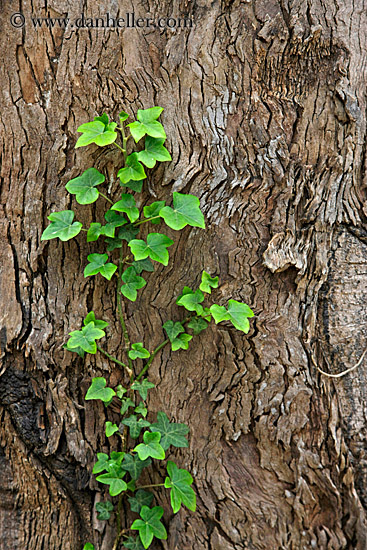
[(265, 108)]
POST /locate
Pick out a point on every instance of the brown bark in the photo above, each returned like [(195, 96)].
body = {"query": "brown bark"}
[(265, 108)]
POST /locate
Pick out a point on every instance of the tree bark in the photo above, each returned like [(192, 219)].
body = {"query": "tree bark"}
[(265, 112)]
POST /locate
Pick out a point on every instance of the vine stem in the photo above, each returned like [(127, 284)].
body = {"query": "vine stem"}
[(113, 359), (117, 145), (107, 199), (158, 349), (147, 220), (340, 374), (154, 353), (153, 485)]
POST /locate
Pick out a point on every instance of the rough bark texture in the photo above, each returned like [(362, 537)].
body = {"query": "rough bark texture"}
[(265, 107)]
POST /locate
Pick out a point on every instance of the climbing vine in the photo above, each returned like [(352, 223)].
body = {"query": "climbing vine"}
[(142, 439)]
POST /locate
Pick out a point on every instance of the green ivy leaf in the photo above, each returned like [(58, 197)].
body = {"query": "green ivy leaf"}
[(133, 170), (140, 499), (133, 282), (154, 151), (181, 342), (61, 226), (238, 313), (135, 186), (126, 404), (98, 265), (150, 526), (111, 478), (173, 329), (91, 318), (104, 510), (147, 124), (191, 301), (132, 543), (142, 387), (134, 465), (143, 265), (84, 186), (85, 338), (150, 447), (141, 409), (155, 247), (172, 433), (120, 391), (185, 211), (98, 390), (111, 429), (103, 118), (179, 482), (88, 546), (101, 464), (94, 231), (135, 425), (96, 132), (152, 210), (197, 325), (127, 204), (138, 352), (208, 282)]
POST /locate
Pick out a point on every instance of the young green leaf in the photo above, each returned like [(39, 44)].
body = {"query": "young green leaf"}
[(150, 447), (98, 265), (104, 510), (191, 301), (147, 124), (138, 352), (133, 170), (102, 463), (88, 546), (208, 282), (141, 409), (123, 116), (134, 465), (132, 543), (185, 211), (86, 338), (84, 186), (179, 482), (197, 325), (120, 391), (94, 231), (98, 390), (152, 211), (61, 226), (154, 151), (126, 404), (155, 247), (103, 118), (150, 526), (91, 318), (133, 282), (181, 342), (111, 429), (238, 313), (135, 425), (142, 387), (172, 433), (140, 499), (96, 132), (127, 204)]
